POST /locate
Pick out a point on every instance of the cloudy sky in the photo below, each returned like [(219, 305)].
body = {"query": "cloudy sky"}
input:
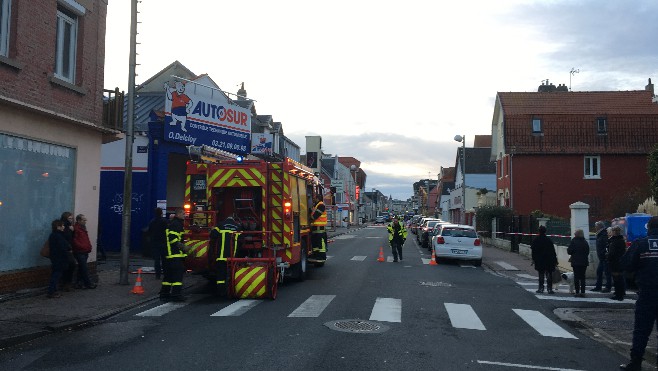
[(389, 82)]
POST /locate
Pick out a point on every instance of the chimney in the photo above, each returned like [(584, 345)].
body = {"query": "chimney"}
[(242, 93), (649, 87)]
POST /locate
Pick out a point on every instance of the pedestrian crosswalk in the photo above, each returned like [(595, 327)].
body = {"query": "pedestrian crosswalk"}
[(459, 315)]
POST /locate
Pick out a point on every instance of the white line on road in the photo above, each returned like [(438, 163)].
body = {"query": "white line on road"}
[(588, 300), (387, 310), (238, 308), (161, 309), (517, 365), (313, 306), (542, 324), (389, 259), (359, 258), (507, 266), (426, 261), (524, 275), (463, 316)]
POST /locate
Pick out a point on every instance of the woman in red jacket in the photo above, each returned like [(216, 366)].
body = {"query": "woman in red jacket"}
[(81, 250)]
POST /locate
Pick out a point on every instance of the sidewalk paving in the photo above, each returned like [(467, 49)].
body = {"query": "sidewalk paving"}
[(28, 315)]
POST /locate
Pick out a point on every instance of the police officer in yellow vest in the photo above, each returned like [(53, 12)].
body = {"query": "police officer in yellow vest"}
[(223, 238), (397, 234), (172, 282), (318, 231)]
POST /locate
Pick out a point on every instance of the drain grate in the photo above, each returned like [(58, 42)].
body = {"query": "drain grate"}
[(357, 326)]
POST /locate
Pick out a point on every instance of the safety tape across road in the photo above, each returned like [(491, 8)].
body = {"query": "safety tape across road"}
[(524, 234)]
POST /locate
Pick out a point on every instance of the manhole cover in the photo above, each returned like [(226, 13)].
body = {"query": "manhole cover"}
[(357, 326)]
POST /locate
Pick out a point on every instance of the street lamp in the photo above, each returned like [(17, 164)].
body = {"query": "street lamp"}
[(353, 170), (462, 139)]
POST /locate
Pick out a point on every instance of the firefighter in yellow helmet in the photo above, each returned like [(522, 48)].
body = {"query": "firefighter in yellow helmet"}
[(318, 230), (172, 282)]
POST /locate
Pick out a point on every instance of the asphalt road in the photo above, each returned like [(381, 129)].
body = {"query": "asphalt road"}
[(395, 316)]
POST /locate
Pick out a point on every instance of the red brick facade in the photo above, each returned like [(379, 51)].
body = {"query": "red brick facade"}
[(27, 73)]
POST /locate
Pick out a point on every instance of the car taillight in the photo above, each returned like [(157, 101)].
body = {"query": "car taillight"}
[(440, 240), (477, 242)]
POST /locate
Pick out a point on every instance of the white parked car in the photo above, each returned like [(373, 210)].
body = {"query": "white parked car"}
[(456, 241)]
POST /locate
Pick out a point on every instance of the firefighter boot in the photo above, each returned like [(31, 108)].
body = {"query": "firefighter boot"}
[(176, 293), (165, 293), (634, 365)]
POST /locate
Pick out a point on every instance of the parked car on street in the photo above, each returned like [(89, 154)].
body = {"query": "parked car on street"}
[(425, 231), (380, 220), (414, 223), (422, 227), (456, 241)]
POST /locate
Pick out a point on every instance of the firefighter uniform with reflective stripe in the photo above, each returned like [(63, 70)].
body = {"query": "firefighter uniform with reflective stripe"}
[(319, 232), (223, 238), (397, 234), (172, 282)]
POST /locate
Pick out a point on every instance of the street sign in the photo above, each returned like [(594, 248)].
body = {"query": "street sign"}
[(340, 209)]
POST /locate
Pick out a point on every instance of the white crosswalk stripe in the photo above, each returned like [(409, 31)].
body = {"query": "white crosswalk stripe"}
[(161, 310), (359, 258), (463, 316), (313, 306), (542, 324), (236, 309), (387, 310)]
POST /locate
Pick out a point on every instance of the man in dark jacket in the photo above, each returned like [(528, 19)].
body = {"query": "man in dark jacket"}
[(544, 259), (602, 268), (157, 230), (642, 258), (617, 249), (59, 250)]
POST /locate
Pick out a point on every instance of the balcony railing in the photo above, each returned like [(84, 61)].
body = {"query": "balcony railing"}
[(113, 109)]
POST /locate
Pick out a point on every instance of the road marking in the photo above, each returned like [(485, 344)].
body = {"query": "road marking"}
[(507, 266), (588, 300), (372, 237), (542, 324), (359, 258), (463, 316), (238, 308), (517, 365), (389, 259), (426, 261), (524, 275), (161, 309), (313, 306), (387, 310), (329, 257)]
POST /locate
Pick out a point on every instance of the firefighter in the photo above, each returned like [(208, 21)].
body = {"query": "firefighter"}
[(318, 230), (397, 235), (172, 282), (222, 238)]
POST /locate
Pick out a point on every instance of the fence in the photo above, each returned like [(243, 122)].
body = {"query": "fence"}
[(523, 229)]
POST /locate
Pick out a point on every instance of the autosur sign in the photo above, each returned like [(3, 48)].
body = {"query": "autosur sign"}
[(197, 115)]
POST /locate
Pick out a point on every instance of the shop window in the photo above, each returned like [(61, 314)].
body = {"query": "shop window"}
[(37, 186)]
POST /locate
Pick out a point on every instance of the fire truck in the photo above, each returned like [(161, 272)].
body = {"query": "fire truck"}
[(270, 199)]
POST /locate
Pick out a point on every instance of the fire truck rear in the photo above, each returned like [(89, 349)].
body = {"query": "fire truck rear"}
[(270, 201)]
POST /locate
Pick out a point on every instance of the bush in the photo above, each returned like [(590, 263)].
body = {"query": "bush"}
[(486, 214)]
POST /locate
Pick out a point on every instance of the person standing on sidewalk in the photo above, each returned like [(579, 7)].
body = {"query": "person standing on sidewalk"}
[(397, 234), (157, 232), (601, 250), (579, 251), (642, 258), (81, 249), (59, 260), (544, 259), (616, 249), (67, 276)]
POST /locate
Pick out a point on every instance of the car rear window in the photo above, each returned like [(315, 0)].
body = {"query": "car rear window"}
[(432, 223), (458, 232)]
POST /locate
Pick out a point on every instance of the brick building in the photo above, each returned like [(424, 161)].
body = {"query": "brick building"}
[(51, 102), (553, 148)]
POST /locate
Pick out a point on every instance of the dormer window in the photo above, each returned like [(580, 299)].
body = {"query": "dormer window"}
[(536, 126), (601, 125)]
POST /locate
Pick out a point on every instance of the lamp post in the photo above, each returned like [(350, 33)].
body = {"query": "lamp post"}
[(462, 139), (353, 170)]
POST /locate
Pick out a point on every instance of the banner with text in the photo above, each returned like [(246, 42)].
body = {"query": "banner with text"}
[(196, 115)]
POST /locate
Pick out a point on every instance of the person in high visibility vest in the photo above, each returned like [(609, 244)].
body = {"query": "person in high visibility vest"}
[(319, 231), (172, 281), (397, 235), (223, 238)]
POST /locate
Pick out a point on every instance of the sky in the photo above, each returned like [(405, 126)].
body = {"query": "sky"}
[(389, 82)]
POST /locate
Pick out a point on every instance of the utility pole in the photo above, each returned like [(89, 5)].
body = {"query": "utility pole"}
[(128, 168)]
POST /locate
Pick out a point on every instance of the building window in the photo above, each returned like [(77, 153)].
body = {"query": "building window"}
[(592, 167), (601, 125), (67, 39), (5, 15), (536, 126)]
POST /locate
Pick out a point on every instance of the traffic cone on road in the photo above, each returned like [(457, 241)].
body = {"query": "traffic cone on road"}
[(433, 261), (138, 288), (381, 254)]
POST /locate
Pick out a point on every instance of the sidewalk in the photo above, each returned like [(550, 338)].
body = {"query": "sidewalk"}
[(30, 314), (610, 324)]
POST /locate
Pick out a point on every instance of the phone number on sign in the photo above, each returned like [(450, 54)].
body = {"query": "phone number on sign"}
[(228, 146)]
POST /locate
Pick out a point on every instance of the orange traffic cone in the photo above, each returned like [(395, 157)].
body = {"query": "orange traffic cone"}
[(433, 261), (138, 288), (381, 254)]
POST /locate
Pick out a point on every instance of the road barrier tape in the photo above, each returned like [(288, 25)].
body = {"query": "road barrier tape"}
[(524, 234)]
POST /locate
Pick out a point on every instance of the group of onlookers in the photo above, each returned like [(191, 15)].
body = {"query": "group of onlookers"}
[(69, 246)]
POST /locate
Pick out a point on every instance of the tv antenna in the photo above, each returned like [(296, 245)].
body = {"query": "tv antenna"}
[(571, 73)]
